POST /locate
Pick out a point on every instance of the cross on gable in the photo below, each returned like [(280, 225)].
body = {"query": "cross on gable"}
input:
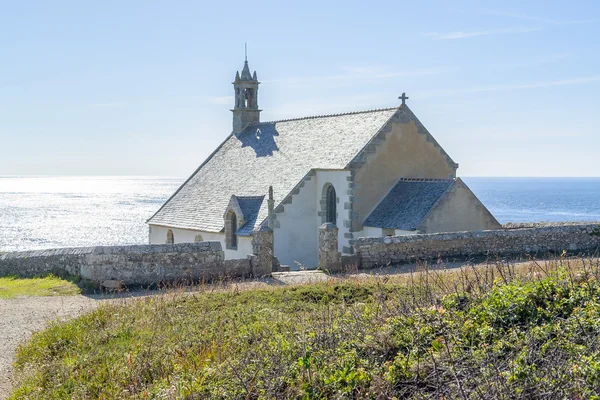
[(404, 97)]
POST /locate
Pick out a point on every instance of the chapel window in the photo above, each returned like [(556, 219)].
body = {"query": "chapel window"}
[(198, 238), (230, 228), (331, 205), (170, 237)]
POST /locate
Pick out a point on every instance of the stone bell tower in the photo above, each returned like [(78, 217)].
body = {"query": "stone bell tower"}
[(245, 88)]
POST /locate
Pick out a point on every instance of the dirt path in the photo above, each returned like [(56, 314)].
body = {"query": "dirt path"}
[(19, 318)]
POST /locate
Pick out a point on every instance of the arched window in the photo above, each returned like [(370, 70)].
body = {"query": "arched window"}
[(198, 238), (170, 237), (331, 205), (230, 228), (249, 95)]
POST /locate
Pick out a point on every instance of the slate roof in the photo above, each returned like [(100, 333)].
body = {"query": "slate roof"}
[(250, 206), (407, 204), (278, 153)]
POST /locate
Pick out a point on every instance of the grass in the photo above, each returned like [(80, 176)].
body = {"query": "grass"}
[(11, 287), (498, 331)]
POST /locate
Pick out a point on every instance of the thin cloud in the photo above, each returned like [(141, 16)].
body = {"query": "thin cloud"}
[(539, 19), (363, 73), (507, 64), (108, 105), (518, 86), (331, 105), (465, 35), (538, 61), (221, 100)]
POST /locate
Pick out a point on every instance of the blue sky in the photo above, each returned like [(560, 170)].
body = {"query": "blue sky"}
[(508, 88)]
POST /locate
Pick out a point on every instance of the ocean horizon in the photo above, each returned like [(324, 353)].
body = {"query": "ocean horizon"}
[(40, 212)]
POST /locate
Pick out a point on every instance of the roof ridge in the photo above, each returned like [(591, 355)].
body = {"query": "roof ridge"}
[(426, 179), (328, 115)]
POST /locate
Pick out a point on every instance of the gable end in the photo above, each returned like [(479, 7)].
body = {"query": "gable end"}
[(403, 115)]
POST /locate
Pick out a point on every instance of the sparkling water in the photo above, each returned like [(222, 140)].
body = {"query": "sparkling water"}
[(45, 212), (48, 211)]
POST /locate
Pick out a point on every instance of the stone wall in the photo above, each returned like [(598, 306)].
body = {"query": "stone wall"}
[(330, 258), (32, 263), (261, 260), (574, 238), (151, 264), (139, 265)]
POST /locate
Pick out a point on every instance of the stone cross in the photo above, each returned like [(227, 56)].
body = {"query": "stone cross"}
[(404, 97)]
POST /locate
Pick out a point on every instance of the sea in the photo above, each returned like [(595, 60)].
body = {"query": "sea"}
[(40, 212)]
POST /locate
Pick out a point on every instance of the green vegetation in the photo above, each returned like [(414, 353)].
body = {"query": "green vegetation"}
[(489, 332), (11, 287)]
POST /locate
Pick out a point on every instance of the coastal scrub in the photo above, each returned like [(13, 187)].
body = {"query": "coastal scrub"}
[(489, 332)]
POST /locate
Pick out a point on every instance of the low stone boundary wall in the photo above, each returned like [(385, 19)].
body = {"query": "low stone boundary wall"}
[(574, 238), (131, 265), (37, 262)]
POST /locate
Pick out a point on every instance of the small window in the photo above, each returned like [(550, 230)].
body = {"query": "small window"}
[(331, 205), (170, 237), (230, 229), (198, 238)]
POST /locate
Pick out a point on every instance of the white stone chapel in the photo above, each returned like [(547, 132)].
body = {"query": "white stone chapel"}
[(371, 173)]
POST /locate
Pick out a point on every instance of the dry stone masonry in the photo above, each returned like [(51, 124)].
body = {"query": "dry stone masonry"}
[(330, 259), (573, 238), (152, 264), (143, 264), (262, 249), (37, 262)]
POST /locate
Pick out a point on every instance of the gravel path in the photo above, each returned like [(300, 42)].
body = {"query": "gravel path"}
[(20, 317)]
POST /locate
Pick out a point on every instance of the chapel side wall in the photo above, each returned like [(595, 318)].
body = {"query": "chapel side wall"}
[(158, 235), (575, 238), (404, 152), (459, 210), (295, 231)]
